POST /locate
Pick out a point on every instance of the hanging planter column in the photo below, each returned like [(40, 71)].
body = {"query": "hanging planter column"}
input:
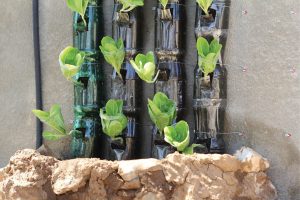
[(210, 90), (125, 26), (88, 96), (169, 40)]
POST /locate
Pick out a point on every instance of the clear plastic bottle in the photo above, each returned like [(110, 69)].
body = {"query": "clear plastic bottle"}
[(209, 103), (169, 30), (125, 26), (88, 87), (169, 40), (126, 88)]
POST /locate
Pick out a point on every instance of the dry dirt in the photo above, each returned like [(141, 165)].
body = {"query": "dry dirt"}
[(32, 176)]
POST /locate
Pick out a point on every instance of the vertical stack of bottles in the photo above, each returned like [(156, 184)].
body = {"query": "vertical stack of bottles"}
[(210, 92), (88, 89), (169, 30), (125, 26)]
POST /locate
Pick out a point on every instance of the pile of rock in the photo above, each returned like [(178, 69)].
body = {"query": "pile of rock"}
[(30, 175)]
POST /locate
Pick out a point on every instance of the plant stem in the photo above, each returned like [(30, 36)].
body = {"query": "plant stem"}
[(84, 21)]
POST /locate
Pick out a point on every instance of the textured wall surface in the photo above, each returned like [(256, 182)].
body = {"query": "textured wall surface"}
[(262, 57), (55, 35), (264, 101), (17, 84)]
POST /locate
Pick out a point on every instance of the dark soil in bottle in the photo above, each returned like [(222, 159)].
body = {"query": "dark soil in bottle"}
[(215, 24), (122, 150), (87, 144), (160, 148)]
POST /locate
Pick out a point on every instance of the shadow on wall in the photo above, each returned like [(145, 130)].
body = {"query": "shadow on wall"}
[(277, 147)]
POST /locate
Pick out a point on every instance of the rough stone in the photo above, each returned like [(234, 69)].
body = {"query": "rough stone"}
[(30, 175), (129, 170), (251, 161), (27, 176)]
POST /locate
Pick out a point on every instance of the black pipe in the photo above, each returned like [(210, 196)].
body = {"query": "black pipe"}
[(37, 67)]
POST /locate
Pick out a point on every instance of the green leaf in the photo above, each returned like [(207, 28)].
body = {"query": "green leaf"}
[(70, 60), (204, 5), (129, 5), (113, 52), (215, 47), (202, 46), (190, 150), (55, 114), (113, 121), (78, 6), (114, 129), (208, 54), (178, 135), (144, 66), (52, 136), (208, 64), (162, 111), (42, 115), (123, 120), (164, 3), (114, 107), (53, 118)]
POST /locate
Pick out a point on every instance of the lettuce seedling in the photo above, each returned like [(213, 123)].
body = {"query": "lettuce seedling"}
[(204, 5), (113, 52), (162, 111), (113, 120), (208, 54), (55, 120), (129, 5), (144, 66), (78, 6), (178, 136), (70, 61), (164, 3)]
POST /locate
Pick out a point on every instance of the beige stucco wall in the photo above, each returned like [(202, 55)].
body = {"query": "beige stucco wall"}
[(17, 91), (263, 100)]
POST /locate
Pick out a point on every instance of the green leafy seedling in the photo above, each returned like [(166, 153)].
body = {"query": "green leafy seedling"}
[(190, 150), (204, 5), (178, 136), (162, 111), (208, 54), (70, 61), (129, 5), (55, 120), (113, 120), (144, 66), (113, 52), (78, 6), (164, 3)]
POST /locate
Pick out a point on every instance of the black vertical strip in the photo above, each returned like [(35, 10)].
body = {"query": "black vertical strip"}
[(37, 67)]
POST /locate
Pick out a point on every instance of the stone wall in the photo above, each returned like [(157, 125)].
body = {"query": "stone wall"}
[(178, 177)]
